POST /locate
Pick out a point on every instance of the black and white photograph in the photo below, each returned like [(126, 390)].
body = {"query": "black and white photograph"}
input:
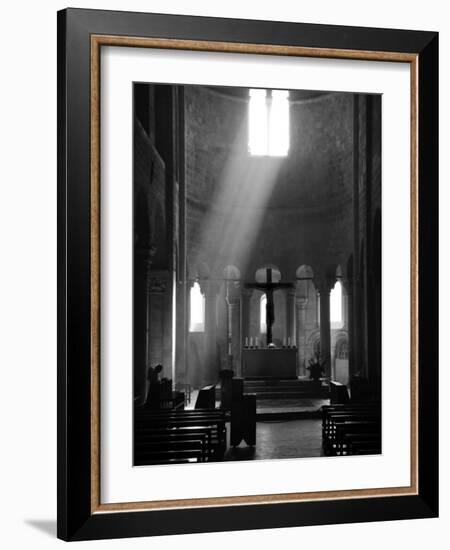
[(222, 275), (256, 274)]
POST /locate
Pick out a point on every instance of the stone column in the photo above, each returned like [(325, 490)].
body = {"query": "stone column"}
[(344, 304), (234, 327), (159, 333), (188, 375), (141, 320), (148, 272), (325, 332), (246, 296), (349, 325), (210, 290), (300, 306), (182, 327), (290, 315)]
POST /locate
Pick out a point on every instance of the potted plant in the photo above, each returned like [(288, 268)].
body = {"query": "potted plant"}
[(315, 368)]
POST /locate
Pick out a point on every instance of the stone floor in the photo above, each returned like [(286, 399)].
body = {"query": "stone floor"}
[(265, 406), (286, 438), (290, 405), (281, 439)]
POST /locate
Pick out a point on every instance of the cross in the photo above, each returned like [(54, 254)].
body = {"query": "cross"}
[(268, 288)]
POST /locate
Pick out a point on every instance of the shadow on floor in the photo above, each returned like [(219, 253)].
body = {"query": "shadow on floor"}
[(240, 453), (47, 526)]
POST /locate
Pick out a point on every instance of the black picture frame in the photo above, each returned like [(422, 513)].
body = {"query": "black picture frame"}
[(77, 518)]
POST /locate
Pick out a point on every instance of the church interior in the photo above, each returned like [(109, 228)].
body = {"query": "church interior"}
[(256, 273)]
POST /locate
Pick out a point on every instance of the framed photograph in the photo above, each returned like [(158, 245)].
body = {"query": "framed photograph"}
[(247, 257)]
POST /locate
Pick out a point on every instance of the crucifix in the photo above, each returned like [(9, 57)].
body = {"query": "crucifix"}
[(268, 288)]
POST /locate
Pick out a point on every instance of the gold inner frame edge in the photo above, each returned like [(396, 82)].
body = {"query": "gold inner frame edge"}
[(97, 41)]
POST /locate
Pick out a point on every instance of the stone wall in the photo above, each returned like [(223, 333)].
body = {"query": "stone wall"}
[(201, 198), (306, 196), (252, 212), (155, 231)]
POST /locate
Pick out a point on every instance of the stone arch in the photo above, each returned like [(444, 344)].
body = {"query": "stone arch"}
[(261, 274), (231, 273), (199, 270), (304, 272), (304, 276)]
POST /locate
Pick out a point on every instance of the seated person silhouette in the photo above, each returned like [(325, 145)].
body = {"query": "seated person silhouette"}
[(153, 400)]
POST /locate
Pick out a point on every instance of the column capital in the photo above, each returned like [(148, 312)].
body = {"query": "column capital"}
[(324, 286), (209, 287), (291, 292)]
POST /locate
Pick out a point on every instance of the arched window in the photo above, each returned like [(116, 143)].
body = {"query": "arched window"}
[(197, 309), (268, 116), (262, 314), (336, 317)]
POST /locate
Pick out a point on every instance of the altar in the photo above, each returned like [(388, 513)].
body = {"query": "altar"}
[(269, 362)]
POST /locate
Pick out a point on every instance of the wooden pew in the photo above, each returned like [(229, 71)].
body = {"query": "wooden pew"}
[(169, 455), (215, 418), (168, 436), (351, 429), (154, 440), (206, 434), (206, 398), (362, 443), (332, 414), (338, 393)]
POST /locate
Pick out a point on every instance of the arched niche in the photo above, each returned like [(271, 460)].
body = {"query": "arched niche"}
[(305, 281), (231, 273), (199, 270), (304, 272), (261, 274)]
